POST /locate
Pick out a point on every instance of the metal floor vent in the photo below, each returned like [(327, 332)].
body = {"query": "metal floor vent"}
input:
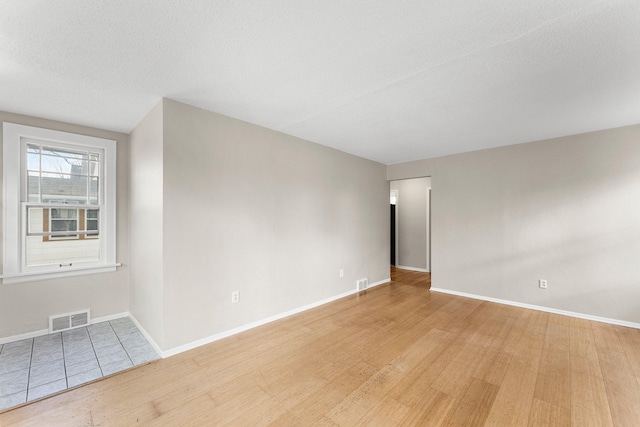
[(362, 284), (64, 322)]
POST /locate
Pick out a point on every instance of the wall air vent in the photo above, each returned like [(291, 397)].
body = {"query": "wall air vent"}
[(362, 284), (64, 322)]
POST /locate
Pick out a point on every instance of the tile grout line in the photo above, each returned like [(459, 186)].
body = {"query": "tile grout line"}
[(64, 360), (33, 346), (96, 354), (48, 352), (122, 344)]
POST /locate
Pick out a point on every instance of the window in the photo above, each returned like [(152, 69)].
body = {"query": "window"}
[(91, 224), (58, 221), (62, 220), (59, 203)]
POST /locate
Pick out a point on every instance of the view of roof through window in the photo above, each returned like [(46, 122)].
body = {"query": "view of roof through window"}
[(62, 176)]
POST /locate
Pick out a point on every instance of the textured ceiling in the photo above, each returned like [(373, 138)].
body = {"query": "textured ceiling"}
[(389, 81)]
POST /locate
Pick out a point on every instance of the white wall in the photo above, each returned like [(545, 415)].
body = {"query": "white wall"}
[(412, 222), (26, 307), (146, 215), (565, 210)]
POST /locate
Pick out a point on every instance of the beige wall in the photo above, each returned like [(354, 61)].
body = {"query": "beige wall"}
[(146, 216), (218, 205), (565, 210), (241, 207), (26, 307), (272, 216)]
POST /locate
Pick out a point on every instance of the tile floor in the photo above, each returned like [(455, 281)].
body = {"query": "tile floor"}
[(37, 367)]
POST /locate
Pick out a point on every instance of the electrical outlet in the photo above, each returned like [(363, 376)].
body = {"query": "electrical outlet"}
[(235, 297), (341, 273), (542, 283), (362, 284)]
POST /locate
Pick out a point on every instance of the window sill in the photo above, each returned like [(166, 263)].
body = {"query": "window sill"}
[(56, 274)]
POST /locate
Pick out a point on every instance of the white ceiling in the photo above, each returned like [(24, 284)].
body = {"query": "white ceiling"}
[(386, 80)]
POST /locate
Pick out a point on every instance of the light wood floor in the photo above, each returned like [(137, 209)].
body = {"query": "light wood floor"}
[(394, 355)]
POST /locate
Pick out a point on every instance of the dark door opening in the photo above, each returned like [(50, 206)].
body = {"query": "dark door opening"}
[(393, 234)]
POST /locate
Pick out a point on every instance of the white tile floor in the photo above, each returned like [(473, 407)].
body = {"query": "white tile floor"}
[(37, 367)]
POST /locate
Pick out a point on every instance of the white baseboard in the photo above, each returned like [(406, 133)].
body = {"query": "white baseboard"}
[(541, 308), (206, 340), (154, 344), (404, 267), (110, 317), (381, 282), (239, 329), (28, 335), (42, 332)]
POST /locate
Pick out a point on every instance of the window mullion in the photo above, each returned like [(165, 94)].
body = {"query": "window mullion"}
[(88, 185), (39, 176)]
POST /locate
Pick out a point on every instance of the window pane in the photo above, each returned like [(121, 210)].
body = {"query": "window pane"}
[(35, 220), (61, 165), (63, 188), (94, 195), (91, 222), (67, 176), (68, 248), (41, 221), (64, 220), (33, 161), (33, 184), (64, 154), (62, 213), (39, 252), (64, 225), (94, 169)]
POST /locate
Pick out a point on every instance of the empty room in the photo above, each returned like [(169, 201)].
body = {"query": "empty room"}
[(304, 213)]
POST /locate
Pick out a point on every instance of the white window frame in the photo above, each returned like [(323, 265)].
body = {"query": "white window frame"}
[(15, 269)]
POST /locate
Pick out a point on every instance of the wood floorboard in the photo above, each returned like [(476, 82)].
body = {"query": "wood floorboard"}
[(430, 409), (396, 354), (553, 384), (473, 406)]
